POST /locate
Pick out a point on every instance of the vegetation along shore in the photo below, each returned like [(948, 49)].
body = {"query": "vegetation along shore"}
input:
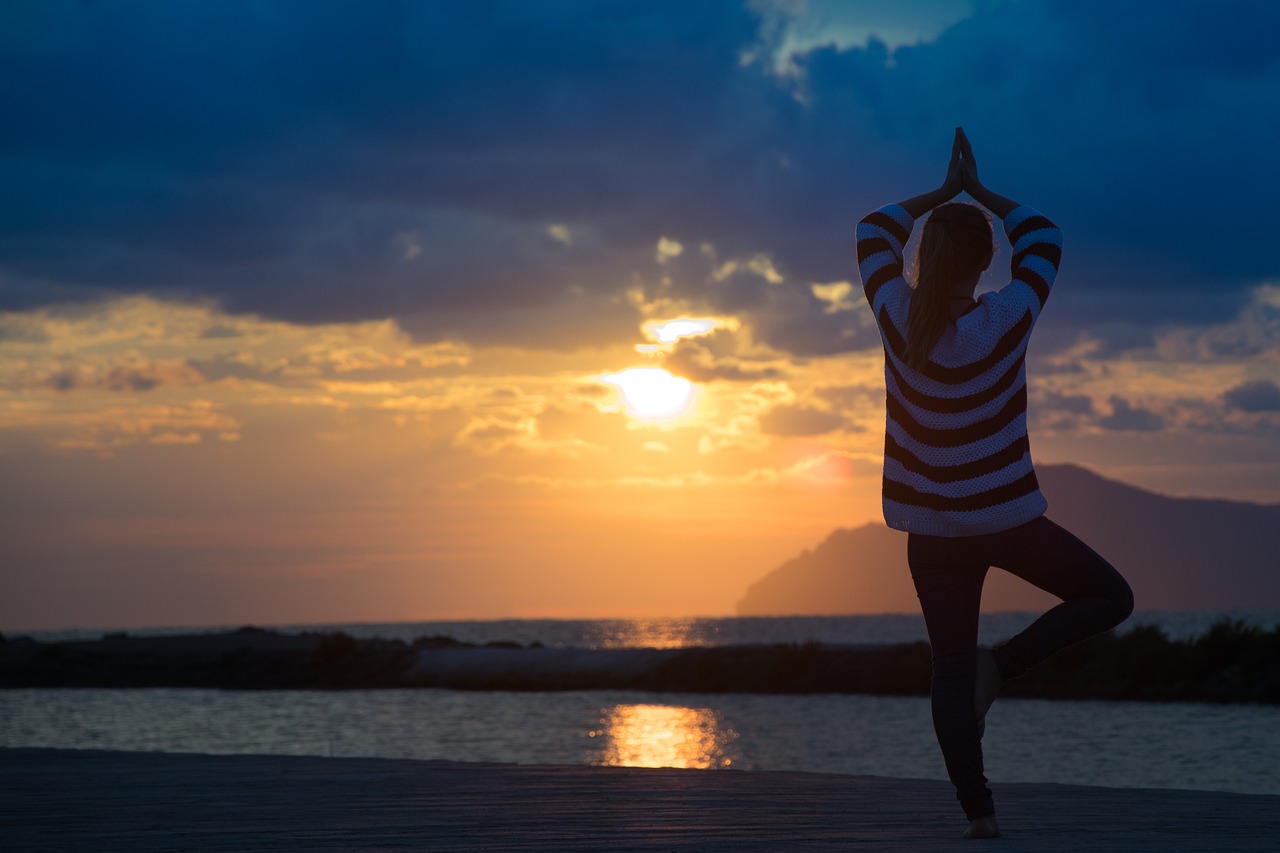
[(1231, 662)]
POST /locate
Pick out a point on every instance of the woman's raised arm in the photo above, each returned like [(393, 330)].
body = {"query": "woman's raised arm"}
[(992, 201), (919, 205)]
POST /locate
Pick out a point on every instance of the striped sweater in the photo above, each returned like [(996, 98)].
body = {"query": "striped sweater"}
[(957, 461)]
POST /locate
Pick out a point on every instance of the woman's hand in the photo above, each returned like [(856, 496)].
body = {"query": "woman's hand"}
[(968, 165), (954, 182)]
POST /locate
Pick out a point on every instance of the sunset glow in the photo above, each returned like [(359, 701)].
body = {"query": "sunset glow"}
[(653, 394), (483, 322)]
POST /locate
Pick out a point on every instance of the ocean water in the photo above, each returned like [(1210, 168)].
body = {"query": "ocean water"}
[(1115, 744), (1122, 744)]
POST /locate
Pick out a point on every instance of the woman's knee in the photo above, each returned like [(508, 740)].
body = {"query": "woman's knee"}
[(1123, 601), (1120, 596)]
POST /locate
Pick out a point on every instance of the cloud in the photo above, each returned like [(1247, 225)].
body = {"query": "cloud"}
[(1127, 417), (1253, 333), (852, 23), (464, 167), (1056, 410), (668, 249), (105, 430), (694, 361), (781, 312), (839, 296), (799, 420), (134, 376), (140, 345), (1261, 395), (426, 172)]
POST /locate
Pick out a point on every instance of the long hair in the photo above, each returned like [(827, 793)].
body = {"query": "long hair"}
[(955, 245)]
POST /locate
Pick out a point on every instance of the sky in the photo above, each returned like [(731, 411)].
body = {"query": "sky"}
[(345, 311)]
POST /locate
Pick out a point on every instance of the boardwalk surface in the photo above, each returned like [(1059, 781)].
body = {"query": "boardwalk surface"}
[(120, 801)]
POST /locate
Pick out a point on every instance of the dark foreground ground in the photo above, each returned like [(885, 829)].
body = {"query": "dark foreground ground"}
[(119, 801)]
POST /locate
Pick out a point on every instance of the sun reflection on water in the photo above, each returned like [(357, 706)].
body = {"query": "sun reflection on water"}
[(654, 633), (663, 736)]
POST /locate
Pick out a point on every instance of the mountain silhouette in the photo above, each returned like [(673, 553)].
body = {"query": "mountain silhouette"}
[(1176, 553)]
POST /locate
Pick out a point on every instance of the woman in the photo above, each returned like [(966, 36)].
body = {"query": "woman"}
[(958, 476)]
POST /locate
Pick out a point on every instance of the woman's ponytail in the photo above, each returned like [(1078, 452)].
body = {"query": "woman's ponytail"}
[(956, 244), (930, 310)]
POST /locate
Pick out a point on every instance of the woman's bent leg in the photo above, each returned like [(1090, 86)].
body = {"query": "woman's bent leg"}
[(948, 582), (1095, 598)]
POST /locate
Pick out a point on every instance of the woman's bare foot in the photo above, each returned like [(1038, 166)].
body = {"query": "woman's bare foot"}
[(983, 827), (986, 685)]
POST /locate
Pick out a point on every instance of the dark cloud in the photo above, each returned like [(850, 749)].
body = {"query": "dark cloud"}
[(131, 379), (1054, 410), (63, 380), (799, 420), (783, 312), (1073, 404), (340, 160), (283, 158), (1261, 395), (1125, 416), (696, 362), (138, 377), (851, 396)]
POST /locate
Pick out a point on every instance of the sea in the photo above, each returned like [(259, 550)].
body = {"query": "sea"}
[(1195, 746)]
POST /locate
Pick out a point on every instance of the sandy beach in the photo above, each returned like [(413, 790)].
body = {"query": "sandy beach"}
[(68, 800)]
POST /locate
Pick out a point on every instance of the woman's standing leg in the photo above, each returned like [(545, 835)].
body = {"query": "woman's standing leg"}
[(948, 578)]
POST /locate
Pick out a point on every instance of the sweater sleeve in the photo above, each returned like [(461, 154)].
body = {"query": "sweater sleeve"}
[(881, 236), (1037, 252)]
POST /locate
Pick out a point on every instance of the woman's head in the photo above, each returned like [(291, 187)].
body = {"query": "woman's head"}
[(955, 247), (964, 230)]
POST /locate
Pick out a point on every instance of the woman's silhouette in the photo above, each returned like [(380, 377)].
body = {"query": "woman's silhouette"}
[(958, 476)]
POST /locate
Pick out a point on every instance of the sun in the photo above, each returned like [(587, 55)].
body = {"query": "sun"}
[(651, 393)]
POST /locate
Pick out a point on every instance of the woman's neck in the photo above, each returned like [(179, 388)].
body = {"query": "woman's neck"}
[(964, 289), (960, 304)]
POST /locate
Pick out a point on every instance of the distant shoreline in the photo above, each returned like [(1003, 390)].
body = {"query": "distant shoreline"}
[(1231, 662), (888, 628)]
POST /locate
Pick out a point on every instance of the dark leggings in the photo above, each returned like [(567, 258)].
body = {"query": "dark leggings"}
[(948, 574)]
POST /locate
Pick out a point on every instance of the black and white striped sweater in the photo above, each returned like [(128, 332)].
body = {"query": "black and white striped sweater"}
[(957, 461)]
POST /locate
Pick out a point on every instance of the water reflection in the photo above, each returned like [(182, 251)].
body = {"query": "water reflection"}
[(664, 736), (653, 633)]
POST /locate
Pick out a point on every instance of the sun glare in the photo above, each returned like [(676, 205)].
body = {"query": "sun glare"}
[(673, 330), (651, 393), (662, 335)]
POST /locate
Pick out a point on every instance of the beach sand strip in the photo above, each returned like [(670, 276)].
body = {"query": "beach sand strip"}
[(73, 800)]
